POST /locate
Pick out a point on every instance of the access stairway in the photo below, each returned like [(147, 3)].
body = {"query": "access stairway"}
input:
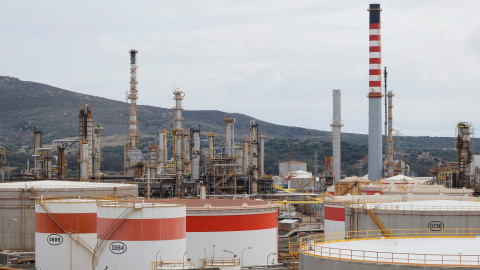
[(379, 223)]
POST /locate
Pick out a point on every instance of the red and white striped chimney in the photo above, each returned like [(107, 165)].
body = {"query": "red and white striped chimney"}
[(375, 165), (375, 57)]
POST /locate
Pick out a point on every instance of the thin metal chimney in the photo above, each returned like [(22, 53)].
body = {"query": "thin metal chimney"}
[(336, 130)]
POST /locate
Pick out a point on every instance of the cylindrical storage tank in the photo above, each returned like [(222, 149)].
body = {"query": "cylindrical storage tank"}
[(434, 215), (225, 231), (135, 235), (405, 249), (65, 233), (334, 217), (17, 200)]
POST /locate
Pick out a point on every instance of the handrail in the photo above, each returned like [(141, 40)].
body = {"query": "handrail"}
[(172, 264), (219, 261), (312, 246), (415, 207)]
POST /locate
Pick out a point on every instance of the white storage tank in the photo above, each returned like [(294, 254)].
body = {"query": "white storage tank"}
[(334, 217), (220, 231), (139, 235), (17, 200), (301, 180), (434, 214), (405, 249), (65, 233)]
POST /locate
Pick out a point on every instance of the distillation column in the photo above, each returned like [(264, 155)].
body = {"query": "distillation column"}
[(162, 151), (390, 150), (38, 143), (375, 96), (246, 155), (254, 155), (336, 130), (195, 133), (178, 141), (465, 155), (85, 141), (262, 156), (229, 136), (186, 154), (97, 153)]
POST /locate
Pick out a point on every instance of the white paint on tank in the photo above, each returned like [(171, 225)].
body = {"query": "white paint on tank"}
[(55, 250), (138, 255), (262, 242)]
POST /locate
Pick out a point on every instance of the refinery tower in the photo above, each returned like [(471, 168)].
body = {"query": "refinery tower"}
[(375, 96)]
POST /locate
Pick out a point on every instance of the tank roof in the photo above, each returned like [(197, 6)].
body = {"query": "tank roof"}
[(50, 184), (221, 203)]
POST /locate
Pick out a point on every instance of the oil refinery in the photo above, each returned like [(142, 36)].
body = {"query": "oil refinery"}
[(191, 201)]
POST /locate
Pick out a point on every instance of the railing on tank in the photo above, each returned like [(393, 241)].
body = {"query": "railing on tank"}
[(172, 264), (312, 246), (219, 262), (415, 207)]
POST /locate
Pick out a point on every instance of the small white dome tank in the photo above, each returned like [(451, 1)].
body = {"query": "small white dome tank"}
[(65, 233), (137, 235)]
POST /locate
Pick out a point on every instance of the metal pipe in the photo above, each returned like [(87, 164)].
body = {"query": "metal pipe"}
[(273, 253), (8, 241), (242, 255)]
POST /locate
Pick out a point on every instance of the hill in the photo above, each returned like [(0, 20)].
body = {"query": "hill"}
[(25, 105)]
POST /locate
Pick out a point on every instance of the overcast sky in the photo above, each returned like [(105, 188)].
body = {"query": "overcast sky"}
[(274, 60)]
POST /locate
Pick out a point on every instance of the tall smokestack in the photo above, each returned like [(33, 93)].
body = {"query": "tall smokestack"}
[(133, 96), (336, 129), (375, 97)]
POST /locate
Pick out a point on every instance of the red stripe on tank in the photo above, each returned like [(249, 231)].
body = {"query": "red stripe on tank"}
[(374, 37), (143, 229), (335, 213), (71, 222), (229, 223), (374, 26), (375, 49)]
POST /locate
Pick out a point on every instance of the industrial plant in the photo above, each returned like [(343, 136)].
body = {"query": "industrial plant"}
[(193, 201)]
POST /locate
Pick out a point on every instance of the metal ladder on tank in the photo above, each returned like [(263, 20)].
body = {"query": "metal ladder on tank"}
[(71, 234), (108, 233), (378, 222)]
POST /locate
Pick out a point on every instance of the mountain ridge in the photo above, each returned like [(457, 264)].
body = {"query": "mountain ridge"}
[(25, 105)]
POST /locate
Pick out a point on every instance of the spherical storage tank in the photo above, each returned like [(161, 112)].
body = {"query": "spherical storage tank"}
[(134, 235), (232, 230), (65, 233)]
